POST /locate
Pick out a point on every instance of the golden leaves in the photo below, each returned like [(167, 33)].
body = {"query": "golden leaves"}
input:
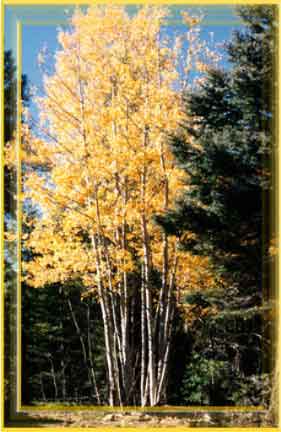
[(106, 112), (190, 20)]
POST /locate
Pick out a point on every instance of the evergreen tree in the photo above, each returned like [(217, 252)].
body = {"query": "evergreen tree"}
[(10, 116), (227, 157), (59, 346)]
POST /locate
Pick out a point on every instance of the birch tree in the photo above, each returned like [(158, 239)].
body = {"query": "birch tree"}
[(104, 117)]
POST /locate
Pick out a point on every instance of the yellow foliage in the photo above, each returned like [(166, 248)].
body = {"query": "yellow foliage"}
[(107, 110)]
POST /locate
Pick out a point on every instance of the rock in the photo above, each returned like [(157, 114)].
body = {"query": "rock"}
[(109, 417), (206, 418), (170, 421), (145, 417)]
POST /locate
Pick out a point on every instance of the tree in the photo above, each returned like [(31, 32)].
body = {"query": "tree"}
[(107, 170), (59, 346), (225, 145), (10, 118), (9, 219)]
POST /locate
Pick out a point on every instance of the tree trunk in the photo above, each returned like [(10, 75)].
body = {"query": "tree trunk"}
[(42, 388), (53, 375), (148, 302), (143, 339), (106, 326), (90, 354)]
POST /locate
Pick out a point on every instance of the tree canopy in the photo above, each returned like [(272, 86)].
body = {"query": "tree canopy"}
[(107, 169)]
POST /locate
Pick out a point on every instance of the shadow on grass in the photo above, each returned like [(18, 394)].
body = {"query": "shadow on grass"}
[(25, 420)]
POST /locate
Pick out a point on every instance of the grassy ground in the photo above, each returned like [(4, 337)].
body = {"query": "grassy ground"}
[(91, 418)]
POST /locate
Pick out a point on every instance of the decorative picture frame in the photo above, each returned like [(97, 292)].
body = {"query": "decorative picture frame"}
[(19, 18)]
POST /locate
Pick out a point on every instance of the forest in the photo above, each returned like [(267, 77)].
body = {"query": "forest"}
[(148, 229)]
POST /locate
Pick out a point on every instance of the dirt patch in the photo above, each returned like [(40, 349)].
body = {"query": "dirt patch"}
[(85, 418)]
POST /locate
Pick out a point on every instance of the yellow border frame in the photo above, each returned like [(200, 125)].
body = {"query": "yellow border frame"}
[(18, 156), (19, 211)]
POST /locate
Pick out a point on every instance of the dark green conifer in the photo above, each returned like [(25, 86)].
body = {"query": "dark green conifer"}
[(228, 160)]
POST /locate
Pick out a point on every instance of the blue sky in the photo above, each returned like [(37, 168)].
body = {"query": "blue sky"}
[(40, 25)]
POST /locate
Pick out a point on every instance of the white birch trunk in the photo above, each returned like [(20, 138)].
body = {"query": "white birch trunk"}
[(106, 326), (143, 339), (90, 353)]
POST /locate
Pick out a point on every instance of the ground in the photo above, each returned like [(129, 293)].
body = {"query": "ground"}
[(90, 418)]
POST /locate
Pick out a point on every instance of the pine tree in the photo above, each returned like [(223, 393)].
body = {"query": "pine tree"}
[(9, 219), (224, 144), (10, 117)]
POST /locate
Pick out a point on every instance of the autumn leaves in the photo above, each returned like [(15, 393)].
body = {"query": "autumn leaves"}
[(100, 172)]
